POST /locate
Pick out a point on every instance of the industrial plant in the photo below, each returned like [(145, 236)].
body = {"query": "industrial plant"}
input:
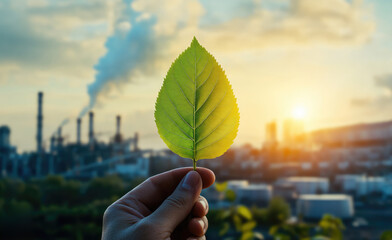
[(73, 159)]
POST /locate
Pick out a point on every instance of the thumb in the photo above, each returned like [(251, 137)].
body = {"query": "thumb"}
[(179, 204)]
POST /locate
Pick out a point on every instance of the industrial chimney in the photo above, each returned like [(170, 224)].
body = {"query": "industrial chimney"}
[(39, 123), (136, 142), (117, 136), (52, 144), (59, 138), (118, 124), (91, 128), (78, 126)]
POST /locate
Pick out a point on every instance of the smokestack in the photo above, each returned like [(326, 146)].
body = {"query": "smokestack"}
[(60, 137), (78, 125), (39, 122), (52, 144), (136, 142), (118, 118), (91, 128)]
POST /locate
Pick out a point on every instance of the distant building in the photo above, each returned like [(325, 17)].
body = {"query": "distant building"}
[(270, 135), (315, 206), (286, 191), (237, 184), (307, 185), (292, 130), (5, 133), (255, 194), (361, 184), (356, 135), (8, 153), (138, 168)]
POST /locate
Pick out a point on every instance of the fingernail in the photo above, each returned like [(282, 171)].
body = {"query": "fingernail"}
[(202, 224), (204, 204), (190, 181)]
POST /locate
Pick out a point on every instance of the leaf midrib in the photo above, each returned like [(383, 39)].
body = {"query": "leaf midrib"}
[(194, 109)]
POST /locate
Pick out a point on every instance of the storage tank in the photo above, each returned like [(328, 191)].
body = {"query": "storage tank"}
[(369, 185), (314, 206), (236, 184), (257, 194), (307, 185), (348, 182)]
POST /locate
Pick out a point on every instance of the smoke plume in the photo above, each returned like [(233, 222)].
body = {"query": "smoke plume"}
[(127, 49)]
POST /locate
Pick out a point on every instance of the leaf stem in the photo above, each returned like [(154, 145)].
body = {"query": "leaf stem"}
[(194, 164)]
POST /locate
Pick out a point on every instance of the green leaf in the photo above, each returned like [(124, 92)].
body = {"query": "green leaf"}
[(246, 236), (244, 212), (230, 195), (221, 187), (248, 226), (225, 228), (387, 235), (196, 112), (237, 222)]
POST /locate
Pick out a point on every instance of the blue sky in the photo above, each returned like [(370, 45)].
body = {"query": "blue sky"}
[(332, 58)]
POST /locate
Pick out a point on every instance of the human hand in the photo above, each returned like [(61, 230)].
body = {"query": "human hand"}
[(166, 206)]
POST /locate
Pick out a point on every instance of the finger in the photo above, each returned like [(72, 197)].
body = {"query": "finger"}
[(179, 204), (156, 189), (197, 238), (198, 226), (200, 209)]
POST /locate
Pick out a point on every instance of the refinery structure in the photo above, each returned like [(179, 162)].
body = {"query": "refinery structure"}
[(74, 159)]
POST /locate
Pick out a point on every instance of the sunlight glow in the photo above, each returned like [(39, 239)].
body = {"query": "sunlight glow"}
[(298, 112)]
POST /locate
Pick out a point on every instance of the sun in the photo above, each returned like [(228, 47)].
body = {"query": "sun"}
[(298, 112)]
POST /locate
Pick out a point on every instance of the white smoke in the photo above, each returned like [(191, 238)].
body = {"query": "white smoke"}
[(131, 45)]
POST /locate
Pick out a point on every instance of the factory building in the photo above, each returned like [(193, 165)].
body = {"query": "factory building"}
[(255, 194), (315, 206), (236, 184), (8, 154), (361, 185), (74, 159), (307, 185)]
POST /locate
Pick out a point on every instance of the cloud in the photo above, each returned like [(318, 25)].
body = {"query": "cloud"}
[(301, 23), (360, 102), (37, 36), (66, 37), (384, 81), (154, 32), (384, 98)]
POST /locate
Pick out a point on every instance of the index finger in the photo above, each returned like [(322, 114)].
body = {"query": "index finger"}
[(154, 190)]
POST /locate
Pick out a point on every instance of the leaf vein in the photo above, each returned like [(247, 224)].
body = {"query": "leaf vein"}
[(182, 91), (220, 123), (224, 136), (206, 79), (220, 101), (176, 124), (175, 107), (208, 97)]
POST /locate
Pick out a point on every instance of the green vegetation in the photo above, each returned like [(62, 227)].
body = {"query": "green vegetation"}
[(329, 228), (387, 235), (54, 208), (235, 222)]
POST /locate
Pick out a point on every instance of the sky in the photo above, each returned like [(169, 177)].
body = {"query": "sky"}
[(330, 58)]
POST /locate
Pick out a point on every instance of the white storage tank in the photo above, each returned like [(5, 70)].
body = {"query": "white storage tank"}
[(369, 185), (314, 206), (348, 182), (236, 184), (257, 194), (307, 185)]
